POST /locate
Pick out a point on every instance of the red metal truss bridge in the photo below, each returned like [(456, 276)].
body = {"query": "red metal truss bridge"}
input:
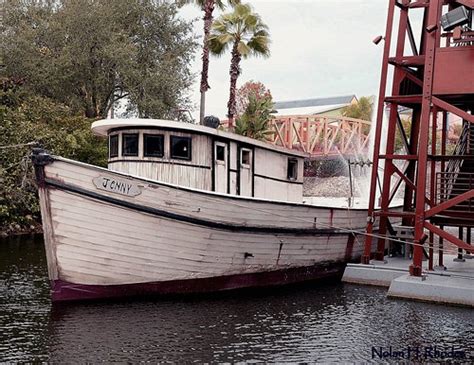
[(319, 136)]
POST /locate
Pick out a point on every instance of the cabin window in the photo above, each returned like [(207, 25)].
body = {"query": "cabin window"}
[(220, 153), (113, 146), (181, 148), (245, 157), (153, 145), (130, 144), (292, 169)]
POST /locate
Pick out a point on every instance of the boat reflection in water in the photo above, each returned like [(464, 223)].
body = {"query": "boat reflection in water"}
[(238, 326), (328, 322)]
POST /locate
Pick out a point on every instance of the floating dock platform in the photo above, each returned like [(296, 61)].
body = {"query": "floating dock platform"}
[(452, 284)]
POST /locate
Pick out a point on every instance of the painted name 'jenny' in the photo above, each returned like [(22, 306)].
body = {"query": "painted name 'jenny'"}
[(118, 186)]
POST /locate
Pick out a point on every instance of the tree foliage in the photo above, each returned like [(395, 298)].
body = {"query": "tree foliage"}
[(250, 87), (362, 109), (208, 7), (88, 54), (65, 60), (255, 119), (25, 118), (244, 32)]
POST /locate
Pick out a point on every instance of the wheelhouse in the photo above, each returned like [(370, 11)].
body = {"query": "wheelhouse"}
[(203, 158)]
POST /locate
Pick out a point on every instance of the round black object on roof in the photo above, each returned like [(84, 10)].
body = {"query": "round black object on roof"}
[(211, 122)]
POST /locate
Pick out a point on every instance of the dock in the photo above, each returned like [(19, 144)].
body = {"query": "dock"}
[(451, 284)]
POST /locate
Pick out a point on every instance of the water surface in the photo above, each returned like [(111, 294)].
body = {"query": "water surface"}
[(312, 323)]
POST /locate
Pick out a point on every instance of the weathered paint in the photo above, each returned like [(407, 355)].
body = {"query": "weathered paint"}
[(99, 238), (65, 291), (265, 176)]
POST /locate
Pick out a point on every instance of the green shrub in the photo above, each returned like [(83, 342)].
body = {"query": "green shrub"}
[(36, 119)]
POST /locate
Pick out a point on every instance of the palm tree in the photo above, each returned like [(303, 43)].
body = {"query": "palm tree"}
[(254, 120), (244, 31), (207, 6)]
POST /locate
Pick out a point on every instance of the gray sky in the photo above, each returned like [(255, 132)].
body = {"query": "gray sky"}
[(319, 48)]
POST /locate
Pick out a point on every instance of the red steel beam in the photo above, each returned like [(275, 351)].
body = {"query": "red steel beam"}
[(454, 240), (409, 183), (409, 61), (378, 131), (397, 184), (443, 169), (451, 108), (468, 3), (433, 179), (404, 99), (450, 203), (412, 77), (403, 134), (391, 132), (410, 170), (395, 214), (399, 157), (418, 4), (434, 12), (404, 178)]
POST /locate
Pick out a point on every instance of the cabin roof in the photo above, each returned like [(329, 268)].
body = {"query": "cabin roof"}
[(102, 128)]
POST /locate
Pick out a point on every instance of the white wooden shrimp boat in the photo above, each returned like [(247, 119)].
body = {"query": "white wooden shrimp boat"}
[(184, 208)]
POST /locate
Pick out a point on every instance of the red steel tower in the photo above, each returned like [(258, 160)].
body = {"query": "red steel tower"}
[(433, 78)]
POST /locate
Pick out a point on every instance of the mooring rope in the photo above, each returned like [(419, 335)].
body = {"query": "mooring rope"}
[(343, 229), (22, 161)]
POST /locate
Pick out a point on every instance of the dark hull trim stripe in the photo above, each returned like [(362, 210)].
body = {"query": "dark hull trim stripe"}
[(192, 220), (63, 291), (162, 162), (279, 180)]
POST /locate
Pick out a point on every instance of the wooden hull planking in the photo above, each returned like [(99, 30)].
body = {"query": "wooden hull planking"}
[(169, 239)]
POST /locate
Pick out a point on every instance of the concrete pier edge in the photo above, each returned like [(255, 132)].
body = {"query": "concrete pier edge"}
[(454, 286), (434, 288)]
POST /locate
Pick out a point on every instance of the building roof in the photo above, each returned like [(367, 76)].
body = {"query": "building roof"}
[(318, 102), (309, 110), (104, 126)]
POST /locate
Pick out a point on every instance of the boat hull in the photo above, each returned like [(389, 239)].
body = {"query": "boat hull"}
[(63, 291), (142, 237)]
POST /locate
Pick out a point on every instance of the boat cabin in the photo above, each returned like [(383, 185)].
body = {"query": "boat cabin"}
[(203, 158)]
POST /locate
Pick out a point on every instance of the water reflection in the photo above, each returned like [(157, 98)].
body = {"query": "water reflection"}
[(331, 322), (24, 299)]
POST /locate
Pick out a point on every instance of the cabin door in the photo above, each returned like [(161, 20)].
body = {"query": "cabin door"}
[(221, 167), (245, 172)]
